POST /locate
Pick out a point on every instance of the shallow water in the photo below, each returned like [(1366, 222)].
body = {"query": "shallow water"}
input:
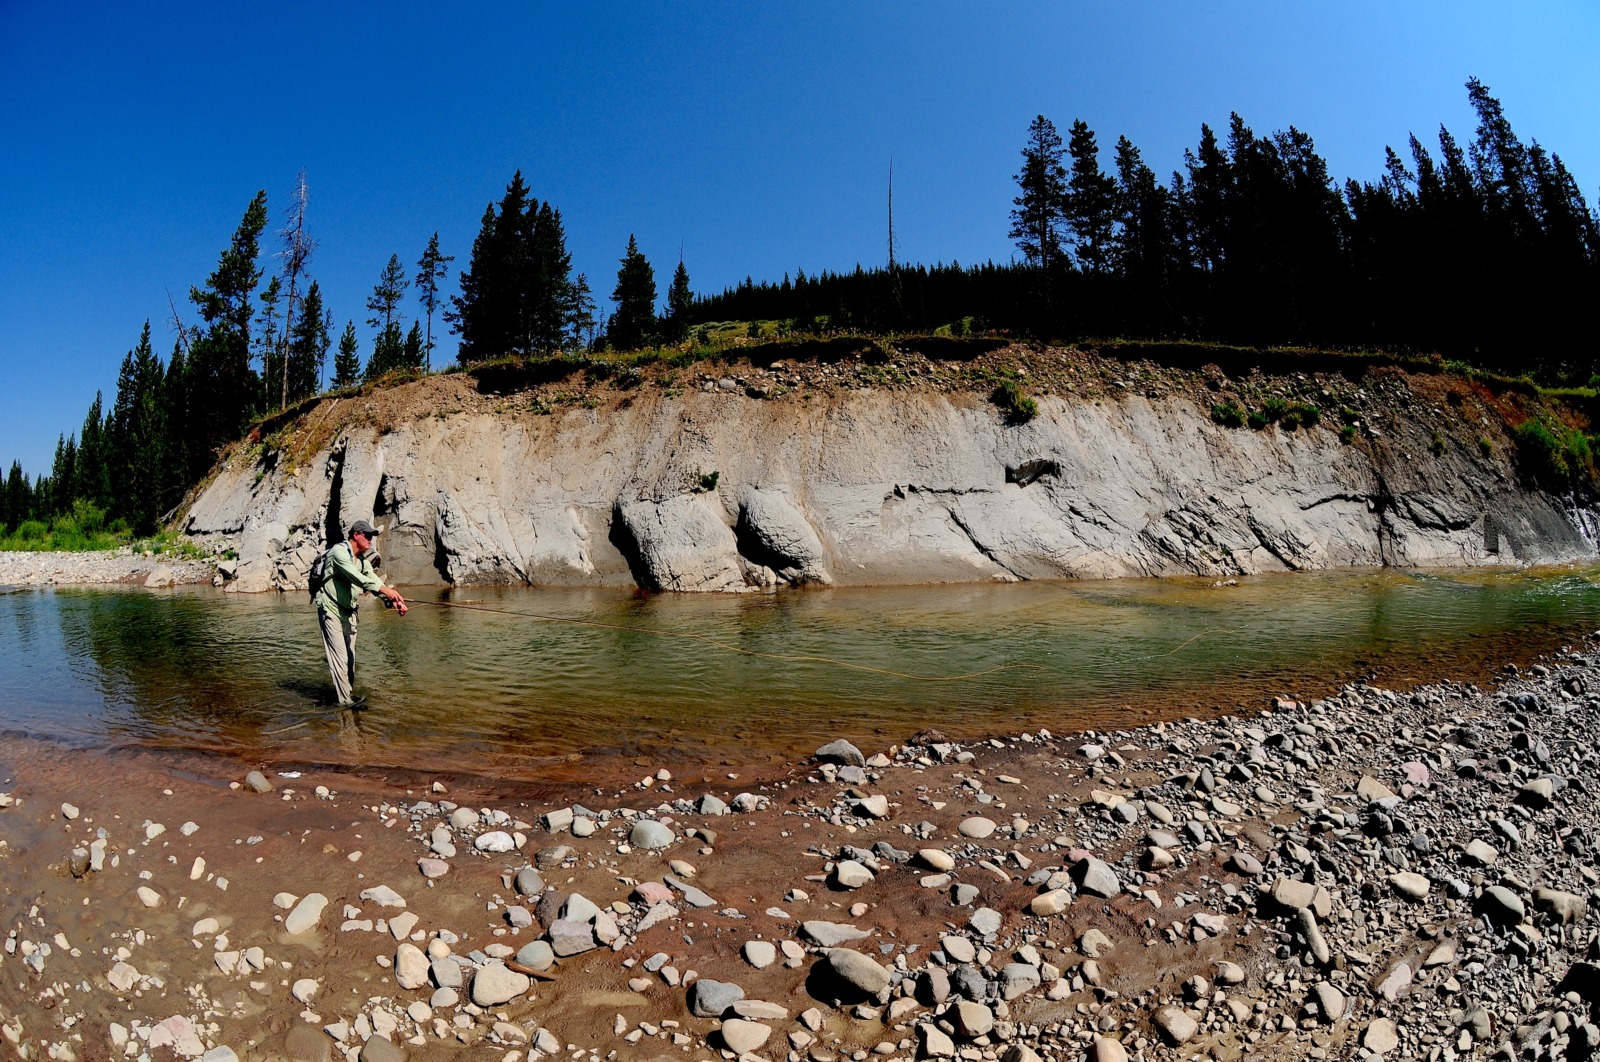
[(741, 678)]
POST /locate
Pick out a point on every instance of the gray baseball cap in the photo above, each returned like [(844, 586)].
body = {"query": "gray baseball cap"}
[(362, 527)]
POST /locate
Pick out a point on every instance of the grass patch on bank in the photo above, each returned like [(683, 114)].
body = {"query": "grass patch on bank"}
[(85, 530), (1555, 457)]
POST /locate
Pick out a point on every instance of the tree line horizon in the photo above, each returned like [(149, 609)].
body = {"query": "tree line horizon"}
[(1481, 253)]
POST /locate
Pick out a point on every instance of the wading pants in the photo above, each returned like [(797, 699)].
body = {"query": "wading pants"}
[(339, 639)]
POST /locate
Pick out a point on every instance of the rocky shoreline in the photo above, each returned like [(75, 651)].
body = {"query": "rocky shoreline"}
[(24, 568), (1374, 874)]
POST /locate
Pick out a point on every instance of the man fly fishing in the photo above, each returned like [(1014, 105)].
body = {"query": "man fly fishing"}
[(345, 571)]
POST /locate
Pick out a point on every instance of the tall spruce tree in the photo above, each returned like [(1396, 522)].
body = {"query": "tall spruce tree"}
[(1090, 202), (347, 362), (179, 433), (93, 476), (549, 294), (517, 296), (432, 267), (635, 296), (14, 501), (1038, 212), (308, 345), (268, 344), (477, 313), (412, 354), (219, 372), (581, 322), (143, 437), (679, 300), (63, 487), (388, 347)]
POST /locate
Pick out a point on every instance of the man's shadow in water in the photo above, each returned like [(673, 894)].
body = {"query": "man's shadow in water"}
[(353, 734), (321, 694)]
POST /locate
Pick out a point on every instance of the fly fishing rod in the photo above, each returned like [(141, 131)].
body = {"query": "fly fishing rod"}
[(811, 658)]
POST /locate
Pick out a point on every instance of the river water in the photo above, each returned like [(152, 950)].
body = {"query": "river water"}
[(578, 675)]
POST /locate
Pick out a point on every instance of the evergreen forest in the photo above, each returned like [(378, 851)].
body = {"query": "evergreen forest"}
[(1480, 250)]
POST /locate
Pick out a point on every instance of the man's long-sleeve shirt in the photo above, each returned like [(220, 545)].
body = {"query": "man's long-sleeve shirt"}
[(347, 574)]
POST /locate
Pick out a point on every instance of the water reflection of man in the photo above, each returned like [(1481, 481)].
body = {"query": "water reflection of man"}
[(349, 572)]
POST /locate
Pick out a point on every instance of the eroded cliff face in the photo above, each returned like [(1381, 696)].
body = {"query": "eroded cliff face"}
[(865, 485)]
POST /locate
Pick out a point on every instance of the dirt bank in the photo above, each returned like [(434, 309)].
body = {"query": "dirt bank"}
[(1402, 875)]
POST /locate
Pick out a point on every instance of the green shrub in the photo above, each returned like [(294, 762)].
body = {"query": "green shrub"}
[(32, 531), (1274, 408), (1347, 434), (1307, 413), (1348, 415), (1554, 460), (708, 481), (1012, 397), (88, 516), (1436, 447), (1485, 447), (1228, 415), (1257, 421)]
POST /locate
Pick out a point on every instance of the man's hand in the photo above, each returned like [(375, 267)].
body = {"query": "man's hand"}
[(396, 602)]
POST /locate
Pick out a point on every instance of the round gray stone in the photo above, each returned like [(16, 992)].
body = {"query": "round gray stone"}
[(650, 834), (709, 999)]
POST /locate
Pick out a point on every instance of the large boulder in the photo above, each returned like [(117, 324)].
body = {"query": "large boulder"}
[(681, 544), (778, 535)]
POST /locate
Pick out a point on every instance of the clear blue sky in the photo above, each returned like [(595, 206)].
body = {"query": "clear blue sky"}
[(756, 136)]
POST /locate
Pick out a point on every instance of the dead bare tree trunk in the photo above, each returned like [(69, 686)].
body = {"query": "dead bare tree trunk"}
[(297, 248), (177, 323)]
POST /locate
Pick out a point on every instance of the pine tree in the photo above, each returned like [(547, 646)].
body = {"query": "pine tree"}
[(144, 439), (1143, 249), (268, 343), (63, 487), (1090, 202), (412, 354), (476, 313), (1036, 219), (388, 352), (549, 294), (580, 315), (432, 267), (179, 433), (93, 478), (679, 299), (388, 347), (14, 502), (219, 365), (308, 346), (387, 294), (635, 296), (119, 420), (517, 295), (347, 362)]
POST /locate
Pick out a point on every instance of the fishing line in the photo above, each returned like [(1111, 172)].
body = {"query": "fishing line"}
[(727, 647)]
